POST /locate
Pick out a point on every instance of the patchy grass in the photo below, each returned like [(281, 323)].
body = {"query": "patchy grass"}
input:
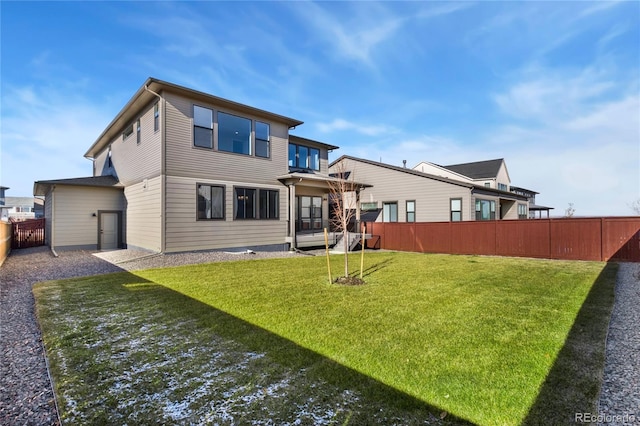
[(492, 341)]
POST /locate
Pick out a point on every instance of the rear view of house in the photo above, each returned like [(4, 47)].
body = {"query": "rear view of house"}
[(182, 170)]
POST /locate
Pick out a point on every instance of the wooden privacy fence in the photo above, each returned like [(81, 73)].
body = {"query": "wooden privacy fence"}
[(5, 240), (28, 233), (606, 238)]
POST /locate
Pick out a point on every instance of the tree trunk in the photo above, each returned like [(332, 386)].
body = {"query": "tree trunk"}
[(345, 239)]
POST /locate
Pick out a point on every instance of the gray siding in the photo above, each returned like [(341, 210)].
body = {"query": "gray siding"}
[(431, 196), (133, 162), (183, 159), (144, 214), (74, 224), (185, 233)]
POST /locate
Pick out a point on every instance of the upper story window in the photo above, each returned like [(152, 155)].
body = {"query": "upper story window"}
[(304, 157), (503, 187), (138, 132), (234, 134), (202, 127), (262, 139), (127, 132), (156, 117)]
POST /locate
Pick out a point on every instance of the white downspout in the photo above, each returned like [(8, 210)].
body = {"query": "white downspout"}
[(53, 215)]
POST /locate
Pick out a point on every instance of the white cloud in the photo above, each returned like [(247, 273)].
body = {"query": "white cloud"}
[(354, 34), (340, 124), (45, 133)]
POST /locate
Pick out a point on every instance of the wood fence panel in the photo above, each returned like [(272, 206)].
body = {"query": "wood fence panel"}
[(576, 239), (473, 238), (399, 236), (529, 238), (433, 237), (616, 238), (621, 239)]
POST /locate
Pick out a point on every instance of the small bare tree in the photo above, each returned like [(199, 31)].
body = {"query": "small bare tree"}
[(635, 206), (343, 207), (569, 211)]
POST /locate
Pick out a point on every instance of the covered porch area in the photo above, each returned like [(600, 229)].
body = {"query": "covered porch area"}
[(310, 207)]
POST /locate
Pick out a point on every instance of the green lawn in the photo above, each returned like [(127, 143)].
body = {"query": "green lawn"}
[(492, 341)]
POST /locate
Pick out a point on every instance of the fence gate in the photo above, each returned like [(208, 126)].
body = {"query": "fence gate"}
[(28, 233)]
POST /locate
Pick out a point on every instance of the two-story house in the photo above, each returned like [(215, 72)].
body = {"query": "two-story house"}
[(182, 170), (432, 193)]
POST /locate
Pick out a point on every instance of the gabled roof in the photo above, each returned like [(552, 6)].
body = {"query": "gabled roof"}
[(147, 94), (475, 188), (41, 187), (403, 170), (479, 169)]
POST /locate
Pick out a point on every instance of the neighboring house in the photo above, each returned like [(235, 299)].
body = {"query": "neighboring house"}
[(3, 189), (182, 170), (489, 173), (20, 208), (535, 210), (400, 194)]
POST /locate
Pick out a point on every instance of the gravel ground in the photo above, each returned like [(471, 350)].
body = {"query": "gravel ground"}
[(26, 397), (620, 393)]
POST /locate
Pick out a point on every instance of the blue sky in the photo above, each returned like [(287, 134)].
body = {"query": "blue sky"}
[(551, 87)]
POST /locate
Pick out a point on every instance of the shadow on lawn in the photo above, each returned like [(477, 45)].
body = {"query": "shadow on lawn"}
[(376, 267), (573, 384), (288, 354)]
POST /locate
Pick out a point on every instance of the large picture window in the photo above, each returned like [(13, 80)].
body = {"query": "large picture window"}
[(202, 127), (268, 201), (262, 139), (390, 212), (210, 202), (456, 209), (234, 134), (485, 210)]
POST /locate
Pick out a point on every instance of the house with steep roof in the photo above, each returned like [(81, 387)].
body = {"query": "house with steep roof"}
[(432, 193), (182, 170)]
